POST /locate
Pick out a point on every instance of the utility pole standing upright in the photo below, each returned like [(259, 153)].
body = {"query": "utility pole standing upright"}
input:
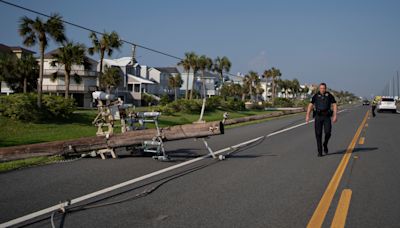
[(398, 86), (393, 87)]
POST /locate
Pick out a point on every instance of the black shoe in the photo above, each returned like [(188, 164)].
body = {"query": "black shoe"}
[(319, 153), (326, 149)]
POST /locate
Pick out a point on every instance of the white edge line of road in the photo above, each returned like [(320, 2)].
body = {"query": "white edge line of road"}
[(135, 180)]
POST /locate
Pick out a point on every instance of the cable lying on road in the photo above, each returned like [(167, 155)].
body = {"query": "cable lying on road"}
[(146, 192), (67, 207)]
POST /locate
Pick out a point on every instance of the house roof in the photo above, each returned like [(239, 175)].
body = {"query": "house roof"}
[(168, 70), (207, 74), (119, 62), (140, 79), (5, 49), (49, 55), (18, 48)]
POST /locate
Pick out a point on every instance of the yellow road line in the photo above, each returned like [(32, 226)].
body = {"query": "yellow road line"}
[(323, 206), (361, 141), (339, 220)]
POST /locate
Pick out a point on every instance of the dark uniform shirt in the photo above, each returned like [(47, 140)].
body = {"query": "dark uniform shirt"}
[(323, 102)]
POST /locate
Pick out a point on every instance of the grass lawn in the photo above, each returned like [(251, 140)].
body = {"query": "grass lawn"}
[(23, 163), (14, 132)]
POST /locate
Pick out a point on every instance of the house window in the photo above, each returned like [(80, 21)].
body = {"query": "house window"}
[(130, 87), (137, 88)]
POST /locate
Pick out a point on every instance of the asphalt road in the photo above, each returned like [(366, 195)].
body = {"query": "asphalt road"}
[(277, 181)]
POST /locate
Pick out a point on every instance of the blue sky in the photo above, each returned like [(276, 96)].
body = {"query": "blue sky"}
[(350, 45)]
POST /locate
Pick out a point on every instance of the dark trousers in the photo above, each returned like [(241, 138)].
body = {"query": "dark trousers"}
[(322, 122), (373, 110)]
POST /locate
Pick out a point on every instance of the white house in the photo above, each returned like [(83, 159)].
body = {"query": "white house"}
[(211, 81), (83, 81), (267, 87), (135, 79), (161, 75)]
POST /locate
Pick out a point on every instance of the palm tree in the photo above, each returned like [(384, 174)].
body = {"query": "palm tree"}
[(69, 55), (273, 74), (246, 86), (185, 63), (222, 65), (175, 82), (295, 87), (7, 68), (194, 64), (27, 70), (110, 79), (259, 90), (106, 45), (39, 31), (204, 64), (252, 80)]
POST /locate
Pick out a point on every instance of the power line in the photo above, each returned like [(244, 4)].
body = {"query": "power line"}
[(97, 32), (91, 30)]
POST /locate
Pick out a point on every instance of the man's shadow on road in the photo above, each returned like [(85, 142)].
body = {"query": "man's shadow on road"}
[(356, 150)]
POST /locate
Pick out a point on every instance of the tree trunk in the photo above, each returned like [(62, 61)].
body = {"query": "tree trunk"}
[(187, 85), (203, 107), (40, 83), (67, 82), (273, 91), (222, 81), (25, 84), (176, 93), (251, 91), (191, 91), (101, 66)]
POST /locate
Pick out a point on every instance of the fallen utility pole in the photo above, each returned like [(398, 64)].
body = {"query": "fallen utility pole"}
[(127, 139)]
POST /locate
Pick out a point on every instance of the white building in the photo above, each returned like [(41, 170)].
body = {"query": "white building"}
[(82, 83), (161, 75), (135, 79), (211, 81)]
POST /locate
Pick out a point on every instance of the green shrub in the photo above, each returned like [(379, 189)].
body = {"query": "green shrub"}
[(191, 106), (301, 103), (148, 100), (259, 106), (58, 106), (186, 106), (283, 102), (165, 99), (233, 104), (23, 107), (213, 103)]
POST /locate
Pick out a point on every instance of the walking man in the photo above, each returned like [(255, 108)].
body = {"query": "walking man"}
[(374, 102), (323, 105)]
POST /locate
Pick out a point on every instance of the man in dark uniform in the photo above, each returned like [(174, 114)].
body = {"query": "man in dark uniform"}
[(324, 108), (374, 102)]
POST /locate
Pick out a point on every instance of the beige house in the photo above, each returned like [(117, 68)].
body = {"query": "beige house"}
[(83, 81)]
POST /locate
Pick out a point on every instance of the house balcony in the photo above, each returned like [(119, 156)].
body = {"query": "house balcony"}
[(72, 88), (61, 72)]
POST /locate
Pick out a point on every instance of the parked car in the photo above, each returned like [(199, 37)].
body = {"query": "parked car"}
[(387, 104), (365, 102)]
